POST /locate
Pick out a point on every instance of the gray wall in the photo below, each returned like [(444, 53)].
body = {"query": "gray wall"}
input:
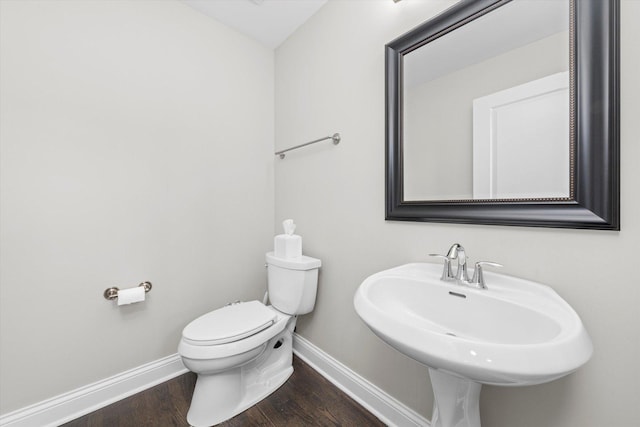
[(137, 142), (330, 78)]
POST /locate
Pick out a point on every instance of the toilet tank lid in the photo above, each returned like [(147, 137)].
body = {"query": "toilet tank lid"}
[(298, 263)]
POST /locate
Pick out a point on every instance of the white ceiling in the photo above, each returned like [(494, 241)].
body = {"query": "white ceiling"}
[(269, 22)]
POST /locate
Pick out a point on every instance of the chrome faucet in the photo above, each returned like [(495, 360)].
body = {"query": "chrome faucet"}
[(457, 252)]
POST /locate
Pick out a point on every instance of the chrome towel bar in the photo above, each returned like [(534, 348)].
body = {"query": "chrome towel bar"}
[(335, 137), (112, 293)]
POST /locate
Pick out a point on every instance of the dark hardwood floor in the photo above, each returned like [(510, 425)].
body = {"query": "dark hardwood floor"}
[(306, 399)]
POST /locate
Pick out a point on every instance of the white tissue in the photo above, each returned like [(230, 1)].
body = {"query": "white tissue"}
[(131, 295), (287, 245), (289, 226)]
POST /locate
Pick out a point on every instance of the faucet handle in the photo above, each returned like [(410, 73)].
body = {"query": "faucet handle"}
[(447, 274), (478, 276)]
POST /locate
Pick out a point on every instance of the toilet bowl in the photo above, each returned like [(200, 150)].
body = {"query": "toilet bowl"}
[(243, 351)]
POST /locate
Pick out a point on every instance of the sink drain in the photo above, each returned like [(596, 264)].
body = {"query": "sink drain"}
[(456, 294)]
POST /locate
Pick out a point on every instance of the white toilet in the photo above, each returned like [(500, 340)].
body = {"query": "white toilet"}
[(242, 352)]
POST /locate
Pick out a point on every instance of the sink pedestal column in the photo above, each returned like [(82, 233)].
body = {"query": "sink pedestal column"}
[(456, 400)]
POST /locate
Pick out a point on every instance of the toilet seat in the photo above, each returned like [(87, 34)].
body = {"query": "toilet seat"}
[(229, 324)]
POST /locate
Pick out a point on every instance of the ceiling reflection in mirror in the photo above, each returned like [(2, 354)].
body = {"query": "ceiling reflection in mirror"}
[(486, 108)]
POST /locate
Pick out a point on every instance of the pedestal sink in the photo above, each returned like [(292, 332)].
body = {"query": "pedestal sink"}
[(514, 333)]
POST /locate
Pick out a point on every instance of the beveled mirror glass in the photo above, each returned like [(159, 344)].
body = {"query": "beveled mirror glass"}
[(506, 112)]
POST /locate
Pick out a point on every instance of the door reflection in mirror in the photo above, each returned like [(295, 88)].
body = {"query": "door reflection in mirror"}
[(453, 151)]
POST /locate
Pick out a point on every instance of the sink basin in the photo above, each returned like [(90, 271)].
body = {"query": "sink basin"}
[(514, 333)]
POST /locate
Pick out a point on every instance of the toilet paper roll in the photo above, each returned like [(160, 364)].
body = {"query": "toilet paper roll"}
[(131, 295)]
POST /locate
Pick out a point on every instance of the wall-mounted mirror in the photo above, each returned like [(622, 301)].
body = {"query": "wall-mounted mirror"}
[(506, 112)]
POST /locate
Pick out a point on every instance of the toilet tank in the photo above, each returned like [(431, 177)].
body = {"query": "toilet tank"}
[(292, 283)]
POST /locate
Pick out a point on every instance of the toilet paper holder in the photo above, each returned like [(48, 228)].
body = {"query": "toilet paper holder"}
[(112, 293)]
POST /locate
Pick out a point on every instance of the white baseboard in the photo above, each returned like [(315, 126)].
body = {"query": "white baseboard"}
[(79, 402), (74, 404), (385, 407)]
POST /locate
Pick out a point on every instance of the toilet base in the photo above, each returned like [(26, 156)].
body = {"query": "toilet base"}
[(219, 397)]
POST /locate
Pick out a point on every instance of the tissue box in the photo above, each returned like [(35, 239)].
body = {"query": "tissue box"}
[(287, 246)]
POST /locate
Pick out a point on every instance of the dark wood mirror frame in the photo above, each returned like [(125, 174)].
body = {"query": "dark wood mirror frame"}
[(595, 198)]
